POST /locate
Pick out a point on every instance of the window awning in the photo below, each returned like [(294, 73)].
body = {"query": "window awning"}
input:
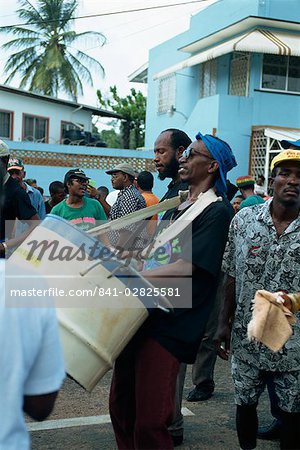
[(259, 40), (282, 135)]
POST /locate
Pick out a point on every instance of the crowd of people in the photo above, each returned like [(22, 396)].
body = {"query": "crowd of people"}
[(233, 240)]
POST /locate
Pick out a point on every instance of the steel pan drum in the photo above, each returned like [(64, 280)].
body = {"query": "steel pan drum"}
[(94, 328)]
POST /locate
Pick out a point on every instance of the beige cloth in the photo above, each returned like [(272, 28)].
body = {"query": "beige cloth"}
[(271, 321)]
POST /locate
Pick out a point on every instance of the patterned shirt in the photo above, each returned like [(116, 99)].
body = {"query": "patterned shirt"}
[(258, 259), (129, 200)]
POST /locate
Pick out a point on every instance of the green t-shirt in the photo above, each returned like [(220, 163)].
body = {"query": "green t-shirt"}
[(252, 200), (84, 217)]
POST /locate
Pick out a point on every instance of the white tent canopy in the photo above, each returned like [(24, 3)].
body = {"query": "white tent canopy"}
[(259, 40)]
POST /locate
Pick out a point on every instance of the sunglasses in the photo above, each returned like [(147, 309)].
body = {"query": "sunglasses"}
[(188, 152), (80, 180)]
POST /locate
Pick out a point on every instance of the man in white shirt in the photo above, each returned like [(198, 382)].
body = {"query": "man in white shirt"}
[(32, 368)]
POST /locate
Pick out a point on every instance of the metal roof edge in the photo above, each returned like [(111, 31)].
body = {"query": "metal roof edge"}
[(46, 98)]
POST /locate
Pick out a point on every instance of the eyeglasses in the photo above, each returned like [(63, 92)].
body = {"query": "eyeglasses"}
[(188, 152)]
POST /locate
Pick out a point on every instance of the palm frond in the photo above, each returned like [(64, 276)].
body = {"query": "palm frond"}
[(31, 14), (29, 73), (20, 68), (70, 80), (82, 70), (20, 31), (89, 60), (67, 12), (19, 59), (20, 42), (92, 36)]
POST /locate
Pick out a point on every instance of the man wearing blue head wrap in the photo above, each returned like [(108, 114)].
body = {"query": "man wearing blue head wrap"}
[(222, 153), (144, 381)]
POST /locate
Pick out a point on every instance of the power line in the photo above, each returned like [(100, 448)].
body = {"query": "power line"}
[(112, 13), (114, 41)]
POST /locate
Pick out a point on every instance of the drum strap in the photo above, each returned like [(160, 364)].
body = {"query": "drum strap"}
[(185, 219), (139, 215)]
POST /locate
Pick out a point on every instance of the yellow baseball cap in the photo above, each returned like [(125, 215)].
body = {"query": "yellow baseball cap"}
[(285, 155)]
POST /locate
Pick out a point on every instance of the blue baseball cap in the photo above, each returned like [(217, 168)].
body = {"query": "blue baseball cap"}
[(286, 144), (222, 153)]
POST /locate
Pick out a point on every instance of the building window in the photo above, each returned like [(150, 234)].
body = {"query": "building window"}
[(258, 152), (208, 78), (35, 128), (166, 93), (6, 124), (239, 74), (281, 73)]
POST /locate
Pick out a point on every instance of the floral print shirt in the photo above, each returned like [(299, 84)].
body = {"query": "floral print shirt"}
[(258, 259)]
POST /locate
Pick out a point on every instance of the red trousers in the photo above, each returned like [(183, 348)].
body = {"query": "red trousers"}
[(142, 397)]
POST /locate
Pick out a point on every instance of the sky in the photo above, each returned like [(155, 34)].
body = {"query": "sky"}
[(130, 36)]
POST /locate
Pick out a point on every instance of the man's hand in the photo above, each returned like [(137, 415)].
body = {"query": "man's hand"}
[(285, 300), (222, 341), (3, 248), (38, 407), (226, 316), (93, 192)]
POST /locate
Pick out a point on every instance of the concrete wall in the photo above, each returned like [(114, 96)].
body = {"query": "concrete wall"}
[(280, 9), (54, 112)]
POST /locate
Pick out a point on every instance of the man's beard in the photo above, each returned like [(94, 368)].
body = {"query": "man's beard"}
[(170, 171)]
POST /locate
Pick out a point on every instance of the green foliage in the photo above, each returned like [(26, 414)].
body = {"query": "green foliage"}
[(112, 139), (45, 56), (133, 110)]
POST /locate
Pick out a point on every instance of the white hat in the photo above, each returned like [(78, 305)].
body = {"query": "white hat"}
[(4, 149)]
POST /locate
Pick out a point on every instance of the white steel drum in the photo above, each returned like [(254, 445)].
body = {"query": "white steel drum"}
[(94, 329)]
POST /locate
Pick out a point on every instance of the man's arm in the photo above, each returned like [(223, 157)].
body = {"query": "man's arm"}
[(180, 268), (39, 407), (47, 371), (175, 274), (14, 242), (94, 193), (290, 301), (226, 315)]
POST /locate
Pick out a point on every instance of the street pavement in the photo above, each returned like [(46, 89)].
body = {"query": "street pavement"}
[(80, 420)]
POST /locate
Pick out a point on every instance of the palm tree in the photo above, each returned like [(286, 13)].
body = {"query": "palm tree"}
[(45, 59)]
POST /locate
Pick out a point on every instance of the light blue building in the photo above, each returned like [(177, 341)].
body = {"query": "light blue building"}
[(235, 73)]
